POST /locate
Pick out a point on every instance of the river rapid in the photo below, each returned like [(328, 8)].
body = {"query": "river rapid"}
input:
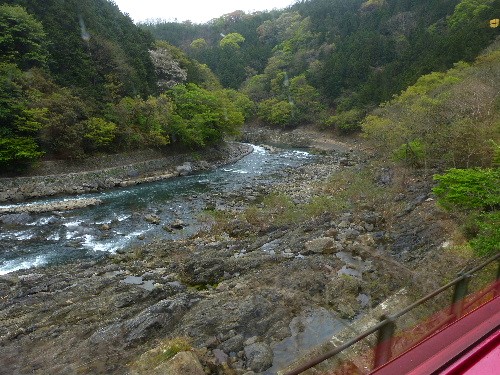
[(124, 217)]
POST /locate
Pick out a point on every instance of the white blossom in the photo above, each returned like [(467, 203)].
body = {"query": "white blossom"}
[(167, 69)]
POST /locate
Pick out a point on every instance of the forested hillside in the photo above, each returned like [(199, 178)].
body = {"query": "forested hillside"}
[(91, 46), (78, 77), (324, 57), (450, 121)]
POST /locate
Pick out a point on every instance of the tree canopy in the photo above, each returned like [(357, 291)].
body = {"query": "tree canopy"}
[(355, 54), (78, 77)]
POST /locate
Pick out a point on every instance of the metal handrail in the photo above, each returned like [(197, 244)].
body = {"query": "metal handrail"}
[(386, 327)]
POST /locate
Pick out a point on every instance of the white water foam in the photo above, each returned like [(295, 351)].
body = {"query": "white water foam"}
[(303, 154), (91, 243), (70, 235), (259, 150), (72, 224), (42, 221), (21, 264), (298, 154), (240, 171), (54, 237), (7, 236), (118, 218), (24, 235)]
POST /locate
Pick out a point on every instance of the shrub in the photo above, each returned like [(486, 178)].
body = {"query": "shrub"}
[(487, 240), (475, 192), (99, 132), (18, 152), (277, 112), (346, 122), (469, 189), (412, 153)]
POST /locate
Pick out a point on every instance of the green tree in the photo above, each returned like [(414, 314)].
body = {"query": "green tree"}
[(277, 112), (199, 44), (18, 152), (201, 117), (257, 87), (232, 40), (63, 131), (141, 123), (99, 132), (22, 38), (20, 123)]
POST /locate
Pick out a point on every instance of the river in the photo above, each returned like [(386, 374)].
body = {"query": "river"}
[(56, 237)]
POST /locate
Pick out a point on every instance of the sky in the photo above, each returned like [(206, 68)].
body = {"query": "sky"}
[(197, 11)]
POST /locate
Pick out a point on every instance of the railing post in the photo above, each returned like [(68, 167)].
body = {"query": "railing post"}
[(496, 291), (383, 350), (459, 294)]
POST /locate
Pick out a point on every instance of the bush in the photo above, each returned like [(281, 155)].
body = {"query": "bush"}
[(100, 133), (412, 153), (469, 189), (476, 192), (346, 122), (277, 112), (18, 152), (487, 240)]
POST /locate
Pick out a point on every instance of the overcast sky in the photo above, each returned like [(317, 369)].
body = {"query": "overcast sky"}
[(197, 11)]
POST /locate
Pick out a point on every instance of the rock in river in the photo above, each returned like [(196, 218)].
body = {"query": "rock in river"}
[(152, 218)]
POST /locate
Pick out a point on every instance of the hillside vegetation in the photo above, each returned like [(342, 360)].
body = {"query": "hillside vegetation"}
[(78, 78), (331, 61), (451, 121)]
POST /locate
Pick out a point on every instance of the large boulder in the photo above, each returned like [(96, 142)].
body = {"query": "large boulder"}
[(184, 169), (259, 356), (322, 245), (152, 219)]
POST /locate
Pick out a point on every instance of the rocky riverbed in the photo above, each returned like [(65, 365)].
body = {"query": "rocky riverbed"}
[(242, 294)]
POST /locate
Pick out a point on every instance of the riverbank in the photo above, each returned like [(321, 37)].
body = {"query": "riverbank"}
[(127, 170), (279, 266)]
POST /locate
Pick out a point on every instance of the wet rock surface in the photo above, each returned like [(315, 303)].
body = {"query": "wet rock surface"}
[(238, 295)]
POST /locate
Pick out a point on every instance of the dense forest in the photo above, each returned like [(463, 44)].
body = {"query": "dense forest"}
[(333, 61), (78, 77)]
